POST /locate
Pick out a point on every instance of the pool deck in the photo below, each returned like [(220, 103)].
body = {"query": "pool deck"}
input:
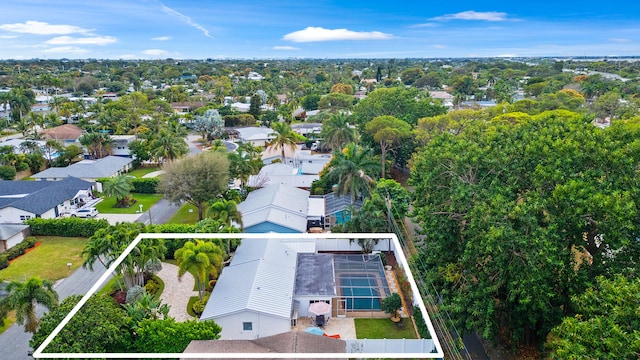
[(345, 327)]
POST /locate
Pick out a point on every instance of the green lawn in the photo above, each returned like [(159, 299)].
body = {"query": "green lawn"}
[(183, 216), (140, 172), (383, 328), (47, 260), (147, 200)]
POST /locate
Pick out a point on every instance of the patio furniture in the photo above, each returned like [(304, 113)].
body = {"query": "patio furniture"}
[(321, 321)]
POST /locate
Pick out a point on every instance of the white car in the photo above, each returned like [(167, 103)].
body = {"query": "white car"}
[(85, 213)]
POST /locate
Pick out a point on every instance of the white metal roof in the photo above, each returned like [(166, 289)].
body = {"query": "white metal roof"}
[(260, 278)]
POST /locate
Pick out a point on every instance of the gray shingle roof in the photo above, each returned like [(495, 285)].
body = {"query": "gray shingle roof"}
[(9, 230), (45, 195), (105, 167)]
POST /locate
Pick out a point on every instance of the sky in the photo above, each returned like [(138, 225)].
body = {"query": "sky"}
[(281, 29)]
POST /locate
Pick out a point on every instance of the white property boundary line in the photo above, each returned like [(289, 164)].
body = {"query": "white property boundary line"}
[(38, 354)]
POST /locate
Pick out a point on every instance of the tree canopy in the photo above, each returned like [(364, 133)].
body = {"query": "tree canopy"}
[(509, 208), (196, 179)]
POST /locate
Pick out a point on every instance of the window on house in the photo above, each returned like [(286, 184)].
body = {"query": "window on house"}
[(25, 217), (247, 326)]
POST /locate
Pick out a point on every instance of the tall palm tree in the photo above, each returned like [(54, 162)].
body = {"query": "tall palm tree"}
[(20, 101), (284, 137), (245, 161), (227, 212), (23, 298), (168, 146), (200, 258), (336, 131), (119, 187), (353, 170)]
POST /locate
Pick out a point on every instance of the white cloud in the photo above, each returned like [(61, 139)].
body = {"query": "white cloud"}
[(438, 46), (507, 55), (185, 19), (128, 57), (621, 41), (285, 48), (8, 36), (42, 28), (425, 25), (68, 40), (66, 50), (155, 52), (311, 34), (161, 38), (473, 15)]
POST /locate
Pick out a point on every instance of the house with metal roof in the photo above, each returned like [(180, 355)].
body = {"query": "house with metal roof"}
[(253, 297), (258, 136), (277, 208), (24, 200), (88, 170), (279, 173)]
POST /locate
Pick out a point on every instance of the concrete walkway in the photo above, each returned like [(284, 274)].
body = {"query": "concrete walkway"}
[(176, 292), (153, 174)]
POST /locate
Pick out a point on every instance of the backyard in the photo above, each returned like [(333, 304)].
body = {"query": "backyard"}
[(384, 328)]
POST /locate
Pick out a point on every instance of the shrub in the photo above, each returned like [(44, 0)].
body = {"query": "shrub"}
[(423, 330), (134, 293), (7, 172), (66, 227), (198, 307), (145, 185), (151, 287), (15, 251)]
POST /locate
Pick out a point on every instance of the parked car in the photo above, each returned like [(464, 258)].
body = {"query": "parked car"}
[(85, 213)]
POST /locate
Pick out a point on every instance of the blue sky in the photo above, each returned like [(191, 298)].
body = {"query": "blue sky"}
[(198, 29)]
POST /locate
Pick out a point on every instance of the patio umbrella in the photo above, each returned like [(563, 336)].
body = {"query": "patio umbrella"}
[(320, 308)]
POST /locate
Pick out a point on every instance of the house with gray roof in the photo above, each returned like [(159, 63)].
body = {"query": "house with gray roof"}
[(11, 235), (24, 200), (277, 208), (88, 170)]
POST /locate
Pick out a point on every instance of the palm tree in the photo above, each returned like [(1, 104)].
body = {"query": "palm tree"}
[(200, 258), (336, 131), (227, 212), (98, 144), (353, 170), (119, 187), (168, 146), (245, 161), (20, 101), (23, 298), (284, 137)]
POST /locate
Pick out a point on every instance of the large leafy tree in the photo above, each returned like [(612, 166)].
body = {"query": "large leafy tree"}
[(100, 326), (507, 208), (353, 170), (23, 296), (196, 179), (209, 124), (606, 323), (201, 258), (284, 137), (388, 132)]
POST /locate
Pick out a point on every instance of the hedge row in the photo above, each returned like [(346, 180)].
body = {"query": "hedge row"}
[(66, 227), (140, 185), (15, 251)]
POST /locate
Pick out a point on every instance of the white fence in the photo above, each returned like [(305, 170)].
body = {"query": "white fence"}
[(397, 346)]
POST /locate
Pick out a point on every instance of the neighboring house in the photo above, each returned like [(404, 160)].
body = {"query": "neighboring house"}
[(447, 99), (183, 108), (276, 208), (66, 134), (310, 164), (278, 173), (11, 235), (253, 295), (270, 155), (88, 170), (24, 200), (308, 130), (258, 136), (120, 146)]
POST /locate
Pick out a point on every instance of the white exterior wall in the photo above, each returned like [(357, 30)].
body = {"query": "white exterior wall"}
[(345, 245), (263, 325), (11, 215), (15, 240), (50, 214)]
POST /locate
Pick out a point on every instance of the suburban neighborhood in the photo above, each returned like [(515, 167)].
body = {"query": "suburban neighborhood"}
[(362, 208)]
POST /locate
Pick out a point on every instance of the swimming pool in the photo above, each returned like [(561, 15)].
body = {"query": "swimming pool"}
[(360, 281)]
